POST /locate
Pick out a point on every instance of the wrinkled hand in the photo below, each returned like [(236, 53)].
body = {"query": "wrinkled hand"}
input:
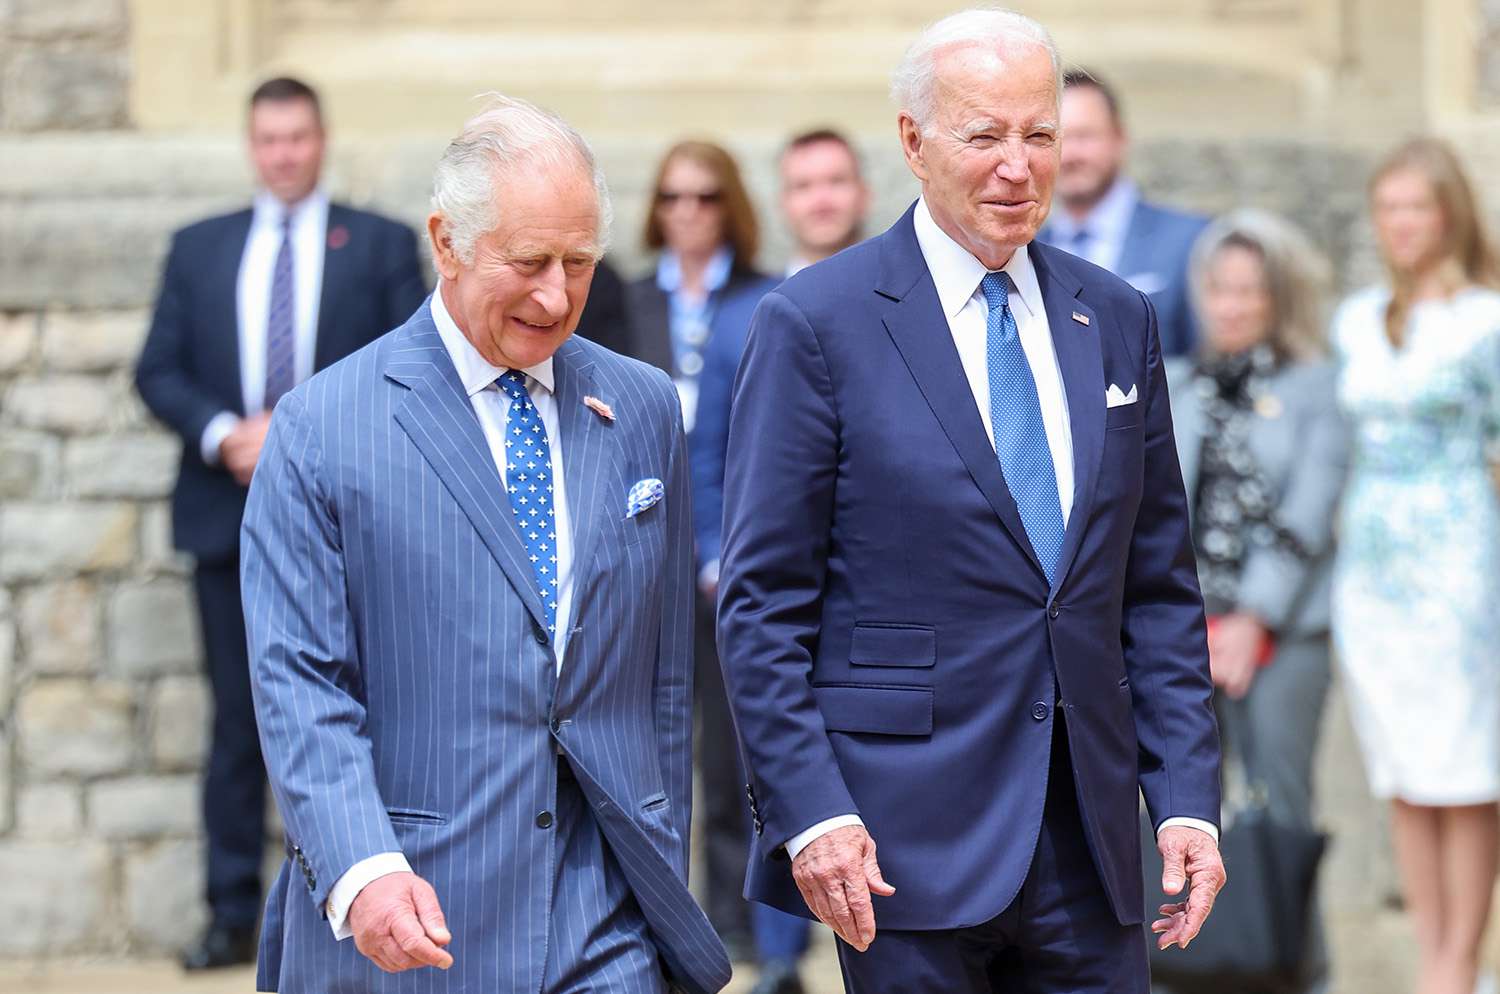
[(1189, 857), (240, 450), (1234, 653), (398, 924), (836, 874)]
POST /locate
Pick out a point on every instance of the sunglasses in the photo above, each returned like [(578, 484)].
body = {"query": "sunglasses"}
[(669, 197)]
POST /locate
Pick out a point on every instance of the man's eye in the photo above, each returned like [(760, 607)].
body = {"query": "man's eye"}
[(983, 139), (528, 265), (1042, 139)]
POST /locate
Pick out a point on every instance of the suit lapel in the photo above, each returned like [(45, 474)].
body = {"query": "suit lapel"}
[(584, 447), (1081, 362), (338, 265), (440, 420), (920, 331)]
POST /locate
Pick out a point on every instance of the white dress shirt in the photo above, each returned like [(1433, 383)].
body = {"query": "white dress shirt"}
[(491, 406), (309, 227), (957, 275)]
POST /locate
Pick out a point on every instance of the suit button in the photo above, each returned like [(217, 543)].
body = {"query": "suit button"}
[(1039, 711), (539, 633), (544, 820), (1053, 612), (556, 725)]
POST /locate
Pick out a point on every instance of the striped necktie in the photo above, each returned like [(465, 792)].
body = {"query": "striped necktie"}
[(281, 336)]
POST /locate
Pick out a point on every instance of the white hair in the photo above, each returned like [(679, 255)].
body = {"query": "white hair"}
[(508, 134), (913, 82)]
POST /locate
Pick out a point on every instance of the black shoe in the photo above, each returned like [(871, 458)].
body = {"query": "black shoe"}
[(220, 947), (779, 978)]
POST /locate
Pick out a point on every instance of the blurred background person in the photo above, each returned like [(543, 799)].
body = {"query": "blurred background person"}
[(1104, 218), (251, 304), (606, 321), (1417, 589), (1263, 450), (702, 292), (824, 197)]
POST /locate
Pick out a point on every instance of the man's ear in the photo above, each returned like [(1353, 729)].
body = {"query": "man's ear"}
[(444, 258), (911, 145)]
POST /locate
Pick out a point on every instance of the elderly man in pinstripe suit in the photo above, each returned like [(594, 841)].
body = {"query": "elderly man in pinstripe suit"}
[(468, 585)]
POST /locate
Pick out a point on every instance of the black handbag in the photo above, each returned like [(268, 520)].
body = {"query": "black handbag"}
[(1255, 938)]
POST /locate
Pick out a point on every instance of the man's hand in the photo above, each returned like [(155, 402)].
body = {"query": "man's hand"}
[(1234, 653), (240, 450), (398, 924), (1189, 857), (836, 874)]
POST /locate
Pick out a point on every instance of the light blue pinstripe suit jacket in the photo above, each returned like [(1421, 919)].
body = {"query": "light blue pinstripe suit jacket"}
[(405, 695)]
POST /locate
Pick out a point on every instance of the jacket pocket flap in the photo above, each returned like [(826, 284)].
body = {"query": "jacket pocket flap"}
[(893, 645), (878, 710), (416, 815)]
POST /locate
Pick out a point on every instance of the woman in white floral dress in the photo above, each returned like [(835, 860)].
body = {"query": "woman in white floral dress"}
[(1417, 587)]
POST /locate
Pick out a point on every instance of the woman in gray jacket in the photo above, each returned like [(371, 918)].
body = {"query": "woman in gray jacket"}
[(1263, 451)]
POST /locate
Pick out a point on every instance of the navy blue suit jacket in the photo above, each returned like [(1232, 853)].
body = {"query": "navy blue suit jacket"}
[(890, 643), (189, 369)]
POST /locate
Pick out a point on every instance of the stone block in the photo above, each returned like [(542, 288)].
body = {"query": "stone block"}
[(144, 807), (7, 788), (7, 664), (180, 716), (69, 404), (65, 88), (41, 539), (56, 897), (138, 465), (164, 895), (53, 19), (28, 464), (18, 338), (153, 628), (60, 627), (92, 342), (49, 811), (74, 727), (157, 553)]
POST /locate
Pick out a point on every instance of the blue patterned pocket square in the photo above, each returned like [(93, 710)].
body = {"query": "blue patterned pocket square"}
[(643, 495)]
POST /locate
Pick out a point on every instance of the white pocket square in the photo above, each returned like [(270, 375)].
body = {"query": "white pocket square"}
[(1114, 397), (643, 495)]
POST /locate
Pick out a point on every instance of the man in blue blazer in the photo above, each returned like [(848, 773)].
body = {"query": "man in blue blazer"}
[(468, 584), (250, 304), (1106, 220), (959, 613)]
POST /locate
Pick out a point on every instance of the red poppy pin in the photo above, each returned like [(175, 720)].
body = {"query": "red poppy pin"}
[(599, 407), (338, 237)]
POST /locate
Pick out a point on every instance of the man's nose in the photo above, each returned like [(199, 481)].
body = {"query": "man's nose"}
[(1014, 166), (551, 291)]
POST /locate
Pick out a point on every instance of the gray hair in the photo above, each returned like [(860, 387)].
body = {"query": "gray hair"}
[(507, 134), (913, 82), (1296, 277)]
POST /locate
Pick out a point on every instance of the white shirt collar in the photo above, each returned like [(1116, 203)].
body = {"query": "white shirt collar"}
[(269, 211), (474, 370), (957, 273)]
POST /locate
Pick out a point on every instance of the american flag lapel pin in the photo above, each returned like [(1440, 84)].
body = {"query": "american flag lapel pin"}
[(599, 407), (1082, 319)]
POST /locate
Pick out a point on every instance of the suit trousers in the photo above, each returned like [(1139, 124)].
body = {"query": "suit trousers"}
[(599, 942), (1059, 935), (234, 785), (722, 805)]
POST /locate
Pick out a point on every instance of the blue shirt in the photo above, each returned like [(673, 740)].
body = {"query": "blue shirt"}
[(1103, 231)]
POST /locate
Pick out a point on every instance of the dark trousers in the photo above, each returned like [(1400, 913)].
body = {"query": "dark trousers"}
[(234, 786), (1059, 936), (723, 807)]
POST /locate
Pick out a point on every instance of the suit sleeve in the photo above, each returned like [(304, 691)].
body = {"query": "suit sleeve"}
[(304, 667), (674, 653), (1163, 635), (403, 285), (163, 374), (780, 473)]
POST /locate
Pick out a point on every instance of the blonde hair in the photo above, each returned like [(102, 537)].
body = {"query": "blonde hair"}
[(1296, 277), (1468, 256)]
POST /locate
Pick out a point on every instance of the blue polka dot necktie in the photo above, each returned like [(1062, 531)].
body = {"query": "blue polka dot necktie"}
[(528, 479), (1020, 435)]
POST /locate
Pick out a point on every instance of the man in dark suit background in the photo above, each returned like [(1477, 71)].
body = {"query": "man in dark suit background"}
[(1104, 218), (250, 304)]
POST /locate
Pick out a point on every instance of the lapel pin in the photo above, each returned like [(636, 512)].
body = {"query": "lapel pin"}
[(599, 407), (338, 237), (1082, 319)]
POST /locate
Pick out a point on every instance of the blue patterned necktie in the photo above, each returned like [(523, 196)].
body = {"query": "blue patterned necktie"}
[(1020, 435), (281, 340), (528, 478)]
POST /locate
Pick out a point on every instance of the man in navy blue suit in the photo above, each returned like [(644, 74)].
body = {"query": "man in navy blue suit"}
[(1106, 220), (251, 303), (959, 612)]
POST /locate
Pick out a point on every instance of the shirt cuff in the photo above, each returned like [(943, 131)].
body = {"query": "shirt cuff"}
[(708, 576), (218, 429), (355, 879), (1198, 823), (801, 840)]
